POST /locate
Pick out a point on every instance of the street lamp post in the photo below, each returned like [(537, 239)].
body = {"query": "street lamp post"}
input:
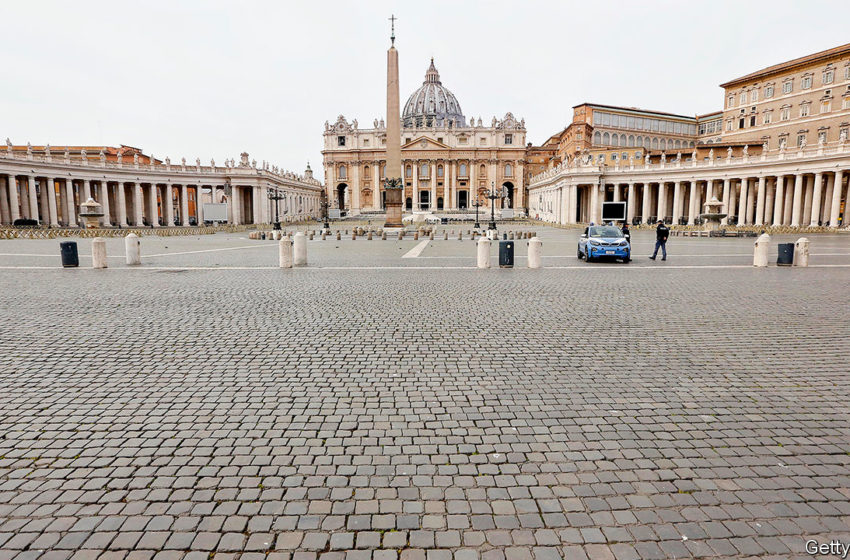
[(493, 196), (276, 196), (325, 225), (477, 204)]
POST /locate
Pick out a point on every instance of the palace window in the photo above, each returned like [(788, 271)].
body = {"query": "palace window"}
[(741, 122), (365, 141), (800, 139), (828, 77), (614, 157), (383, 171), (788, 87), (509, 170), (804, 109), (729, 124), (440, 140), (768, 117), (847, 72), (342, 172), (439, 171), (768, 92), (367, 172), (753, 120), (408, 172), (340, 140), (806, 83), (731, 101), (637, 155), (463, 172), (783, 142), (754, 96), (482, 171), (509, 139), (461, 141), (822, 136), (825, 106), (424, 170), (846, 104), (601, 158), (784, 113), (407, 140), (743, 97)]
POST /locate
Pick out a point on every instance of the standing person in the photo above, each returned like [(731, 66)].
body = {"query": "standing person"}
[(627, 234), (662, 232)]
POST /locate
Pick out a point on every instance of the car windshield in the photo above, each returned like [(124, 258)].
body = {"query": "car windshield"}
[(605, 231)]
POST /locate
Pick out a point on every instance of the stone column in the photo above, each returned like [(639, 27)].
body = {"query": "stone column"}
[(573, 208), (355, 188), (255, 206), (807, 200), (199, 205), (742, 202), (138, 205), (677, 202), (662, 200), (14, 203), (759, 220), (630, 203), (835, 207), (184, 204), (168, 205), (376, 187), (86, 190), (645, 203), (519, 188), (103, 198), (789, 201), (769, 189), (235, 205), (797, 208), (122, 205), (33, 200), (709, 191), (432, 202), (816, 200), (593, 191), (153, 214), (733, 196), (725, 221), (778, 200), (692, 203), (447, 178), (5, 209), (827, 199), (415, 166)]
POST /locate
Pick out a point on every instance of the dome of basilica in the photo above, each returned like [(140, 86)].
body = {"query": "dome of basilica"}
[(432, 104)]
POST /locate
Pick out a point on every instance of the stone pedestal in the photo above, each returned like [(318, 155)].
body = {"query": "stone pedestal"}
[(91, 212), (394, 204)]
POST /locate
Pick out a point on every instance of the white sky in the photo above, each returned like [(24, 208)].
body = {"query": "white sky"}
[(212, 79)]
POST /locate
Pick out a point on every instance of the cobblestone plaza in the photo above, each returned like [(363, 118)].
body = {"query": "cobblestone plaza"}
[(373, 406)]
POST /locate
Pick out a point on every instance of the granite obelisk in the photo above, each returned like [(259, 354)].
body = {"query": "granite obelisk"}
[(393, 184)]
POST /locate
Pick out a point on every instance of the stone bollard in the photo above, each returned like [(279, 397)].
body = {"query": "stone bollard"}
[(311, 236), (400, 235), (511, 235), (431, 236), (98, 253), (346, 232), (285, 252), (324, 236), (354, 236), (445, 236), (276, 235), (338, 236), (483, 253), (760, 248), (535, 252), (133, 249), (801, 252), (299, 249), (460, 236), (383, 236), (416, 236), (369, 236)]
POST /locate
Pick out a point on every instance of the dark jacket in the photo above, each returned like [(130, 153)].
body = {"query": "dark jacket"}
[(662, 232), (627, 234)]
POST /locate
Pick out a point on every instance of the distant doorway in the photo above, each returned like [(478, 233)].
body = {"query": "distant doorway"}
[(408, 203), (508, 201), (424, 200), (439, 203), (463, 200), (340, 196)]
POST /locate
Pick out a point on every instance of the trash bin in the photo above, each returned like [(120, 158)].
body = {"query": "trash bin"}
[(786, 254), (506, 254), (70, 257), (444, 221)]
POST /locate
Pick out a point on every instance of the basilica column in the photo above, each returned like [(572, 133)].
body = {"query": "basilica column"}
[(769, 189), (236, 205), (138, 203), (827, 199), (725, 221), (33, 200), (816, 200), (691, 203), (376, 187), (807, 200), (184, 204), (645, 203), (5, 209), (50, 188), (152, 210), (709, 191), (797, 208), (835, 206), (742, 202), (86, 190), (432, 201), (778, 200), (453, 205), (355, 180), (630, 204), (662, 199), (15, 205), (168, 205), (760, 202), (199, 204), (573, 206), (677, 201), (103, 198), (122, 204), (415, 166)]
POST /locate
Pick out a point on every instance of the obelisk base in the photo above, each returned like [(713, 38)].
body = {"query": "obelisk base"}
[(393, 203)]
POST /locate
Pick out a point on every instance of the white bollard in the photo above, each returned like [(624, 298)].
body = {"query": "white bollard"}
[(300, 249), (277, 235), (535, 252), (133, 249), (801, 252), (98, 253), (761, 247), (483, 253), (285, 252)]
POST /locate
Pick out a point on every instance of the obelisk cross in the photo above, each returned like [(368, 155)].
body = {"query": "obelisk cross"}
[(392, 19)]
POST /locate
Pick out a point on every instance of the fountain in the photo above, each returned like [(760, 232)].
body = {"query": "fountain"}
[(713, 214), (91, 212)]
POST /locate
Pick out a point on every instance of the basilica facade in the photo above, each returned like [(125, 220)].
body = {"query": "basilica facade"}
[(449, 161)]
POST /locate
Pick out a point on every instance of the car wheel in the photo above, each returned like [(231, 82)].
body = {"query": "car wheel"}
[(578, 253), (587, 256)]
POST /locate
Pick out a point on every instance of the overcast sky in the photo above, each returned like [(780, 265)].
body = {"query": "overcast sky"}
[(211, 79)]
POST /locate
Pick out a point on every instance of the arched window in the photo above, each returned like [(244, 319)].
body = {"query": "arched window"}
[(408, 172), (424, 170), (482, 171), (663, 144), (383, 171), (639, 141), (439, 171), (606, 139), (692, 144), (615, 140), (655, 143), (678, 144), (342, 173), (597, 138), (463, 171), (509, 170), (622, 139), (631, 141), (367, 171)]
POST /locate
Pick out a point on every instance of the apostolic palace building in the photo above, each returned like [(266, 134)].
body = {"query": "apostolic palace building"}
[(777, 154)]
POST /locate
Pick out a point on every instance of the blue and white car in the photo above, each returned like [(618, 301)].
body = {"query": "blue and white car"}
[(604, 242)]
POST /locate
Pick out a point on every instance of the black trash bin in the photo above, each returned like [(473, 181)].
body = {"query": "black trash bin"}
[(444, 221), (506, 254), (70, 257), (786, 254)]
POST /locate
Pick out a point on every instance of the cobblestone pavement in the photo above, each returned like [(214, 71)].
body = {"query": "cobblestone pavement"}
[(599, 411)]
